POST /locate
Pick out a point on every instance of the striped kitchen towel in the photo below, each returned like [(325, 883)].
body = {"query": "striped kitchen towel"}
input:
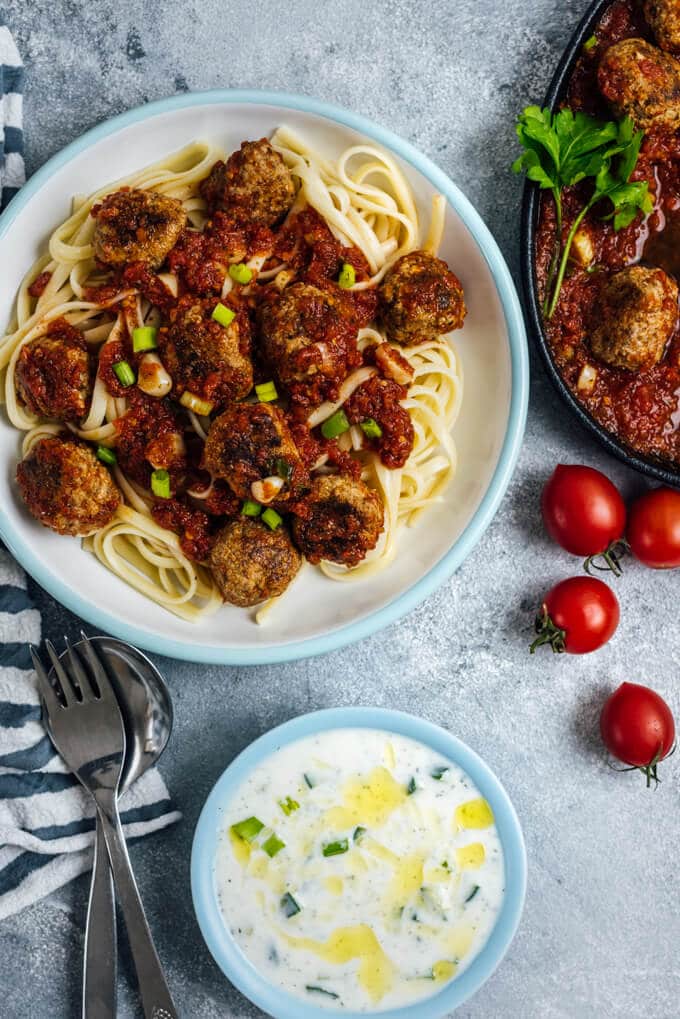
[(11, 131), (46, 818)]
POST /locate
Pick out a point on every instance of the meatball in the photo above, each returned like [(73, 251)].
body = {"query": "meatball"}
[(254, 185), (251, 447), (635, 318), (305, 334), (642, 82), (340, 520), (136, 226), (251, 563), (420, 298), (53, 373), (204, 357), (66, 487), (664, 19), (149, 438)]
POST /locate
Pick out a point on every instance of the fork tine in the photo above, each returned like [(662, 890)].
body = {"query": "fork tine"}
[(98, 671), (77, 670), (67, 688), (47, 692)]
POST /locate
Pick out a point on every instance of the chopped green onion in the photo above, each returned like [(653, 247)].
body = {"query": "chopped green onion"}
[(225, 316), (271, 518), (289, 905), (283, 469), (359, 833), (266, 392), (250, 509), (445, 864), (248, 829), (440, 770), (472, 893), (144, 338), (124, 373), (289, 805), (320, 990), (273, 845), (195, 403), (106, 455), (371, 428), (336, 848), (308, 781), (335, 425), (160, 484), (240, 273), (411, 787), (590, 44), (347, 277)]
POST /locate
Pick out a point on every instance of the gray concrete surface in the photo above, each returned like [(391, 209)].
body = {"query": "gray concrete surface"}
[(599, 938)]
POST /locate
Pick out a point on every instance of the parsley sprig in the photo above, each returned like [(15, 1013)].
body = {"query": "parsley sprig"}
[(565, 148)]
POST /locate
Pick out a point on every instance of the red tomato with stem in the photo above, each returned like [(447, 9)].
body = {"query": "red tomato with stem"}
[(578, 615), (583, 512), (653, 530), (637, 728)]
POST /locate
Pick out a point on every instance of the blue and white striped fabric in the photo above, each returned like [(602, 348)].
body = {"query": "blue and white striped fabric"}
[(11, 117), (46, 819)]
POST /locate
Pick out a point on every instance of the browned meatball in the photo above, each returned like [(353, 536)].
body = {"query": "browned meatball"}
[(664, 18), (642, 82), (251, 563), (251, 447), (150, 438), (205, 358), (420, 298), (340, 520), (305, 334), (66, 487), (53, 373), (254, 184), (635, 318), (136, 226)]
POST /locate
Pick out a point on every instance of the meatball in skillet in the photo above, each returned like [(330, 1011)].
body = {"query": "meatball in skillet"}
[(66, 488), (254, 185), (136, 226), (205, 357), (250, 446), (664, 18), (635, 318), (340, 520), (251, 563), (54, 373), (420, 298), (642, 82)]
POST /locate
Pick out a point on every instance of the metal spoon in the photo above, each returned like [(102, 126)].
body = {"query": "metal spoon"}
[(147, 715)]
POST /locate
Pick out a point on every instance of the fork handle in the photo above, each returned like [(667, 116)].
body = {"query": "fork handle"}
[(99, 976), (156, 1000)]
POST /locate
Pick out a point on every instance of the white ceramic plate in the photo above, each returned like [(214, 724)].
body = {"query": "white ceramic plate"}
[(316, 614)]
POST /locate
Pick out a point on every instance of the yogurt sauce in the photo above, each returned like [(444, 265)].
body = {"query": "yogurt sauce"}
[(359, 870)]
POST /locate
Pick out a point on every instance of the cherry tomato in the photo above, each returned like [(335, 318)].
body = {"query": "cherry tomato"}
[(582, 510), (577, 616), (637, 727), (654, 528)]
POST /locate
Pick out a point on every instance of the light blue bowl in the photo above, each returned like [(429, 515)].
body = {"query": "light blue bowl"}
[(222, 946)]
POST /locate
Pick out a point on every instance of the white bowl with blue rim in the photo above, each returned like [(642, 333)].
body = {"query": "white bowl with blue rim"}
[(215, 930), (317, 614)]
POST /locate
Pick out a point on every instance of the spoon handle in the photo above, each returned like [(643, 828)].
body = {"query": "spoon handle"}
[(156, 1000), (99, 976)]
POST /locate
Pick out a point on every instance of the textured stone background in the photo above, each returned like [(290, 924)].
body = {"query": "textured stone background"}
[(600, 932)]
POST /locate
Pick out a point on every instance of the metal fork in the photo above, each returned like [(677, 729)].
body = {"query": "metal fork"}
[(84, 722)]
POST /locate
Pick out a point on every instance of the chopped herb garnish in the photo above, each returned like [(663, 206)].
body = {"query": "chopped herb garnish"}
[(250, 508), (225, 316), (266, 392), (283, 469), (371, 428), (271, 518), (320, 990), (440, 770), (308, 781), (240, 273), (445, 864), (273, 845), (347, 277), (106, 455), (590, 43), (472, 893), (336, 848), (289, 905), (335, 425), (359, 833), (289, 805), (124, 373), (411, 787), (248, 829)]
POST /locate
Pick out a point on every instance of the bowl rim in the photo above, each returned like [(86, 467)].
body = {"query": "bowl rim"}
[(236, 966), (529, 220), (509, 453)]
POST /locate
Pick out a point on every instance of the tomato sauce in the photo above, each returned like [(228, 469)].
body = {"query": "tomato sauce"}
[(642, 409)]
